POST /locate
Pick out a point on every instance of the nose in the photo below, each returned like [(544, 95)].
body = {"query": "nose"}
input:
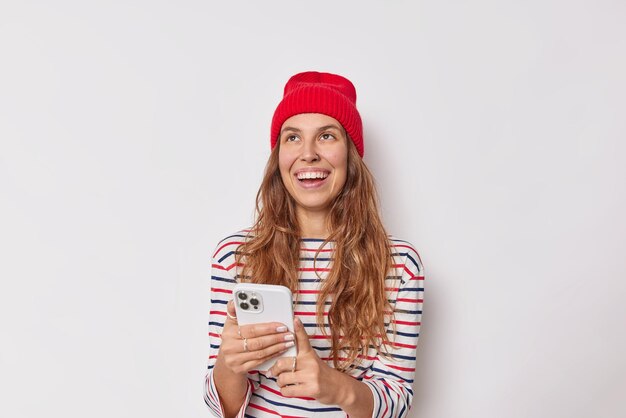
[(309, 151)]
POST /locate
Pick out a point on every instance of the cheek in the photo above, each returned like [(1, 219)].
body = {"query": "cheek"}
[(285, 160), (339, 160), (283, 165)]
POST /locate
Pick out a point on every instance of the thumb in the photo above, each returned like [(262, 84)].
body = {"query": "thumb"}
[(302, 338), (230, 309)]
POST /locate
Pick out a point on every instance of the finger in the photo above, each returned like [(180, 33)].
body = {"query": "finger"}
[(261, 343), (295, 390), (253, 359), (235, 345), (260, 330), (282, 365), (302, 338), (231, 314), (288, 378)]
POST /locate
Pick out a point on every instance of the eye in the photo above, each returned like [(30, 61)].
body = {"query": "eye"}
[(327, 137), (291, 138)]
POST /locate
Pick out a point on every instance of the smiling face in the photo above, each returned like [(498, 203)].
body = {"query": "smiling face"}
[(313, 161)]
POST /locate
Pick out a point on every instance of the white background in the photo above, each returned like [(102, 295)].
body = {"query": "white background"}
[(133, 135)]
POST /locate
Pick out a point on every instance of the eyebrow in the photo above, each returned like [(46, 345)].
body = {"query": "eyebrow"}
[(321, 128)]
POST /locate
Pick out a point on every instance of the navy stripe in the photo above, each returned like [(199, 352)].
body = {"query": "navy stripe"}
[(412, 289), (217, 324), (406, 334), (393, 404), (377, 370), (417, 266), (408, 255), (380, 402), (401, 414), (228, 254), (296, 407), (403, 334), (308, 302), (315, 259), (219, 301), (412, 358), (223, 279), (229, 237), (402, 241), (321, 348), (403, 311)]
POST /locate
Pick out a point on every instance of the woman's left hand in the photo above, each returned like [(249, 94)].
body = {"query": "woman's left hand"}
[(312, 377)]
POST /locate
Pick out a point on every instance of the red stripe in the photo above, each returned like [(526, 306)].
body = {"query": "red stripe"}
[(308, 292), (391, 289), (417, 278), (410, 300), (321, 337), (405, 268), (218, 266), (400, 345), (392, 390), (261, 408), (309, 313), (234, 265), (212, 392), (407, 322), (385, 398), (214, 335), (359, 356), (226, 245), (214, 396), (410, 272), (315, 250), (313, 269), (217, 313), (404, 369), (218, 290), (276, 392), (403, 246)]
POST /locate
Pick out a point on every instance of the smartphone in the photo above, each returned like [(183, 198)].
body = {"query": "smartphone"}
[(257, 303)]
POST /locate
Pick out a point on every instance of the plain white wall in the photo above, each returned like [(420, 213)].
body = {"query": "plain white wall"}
[(133, 135)]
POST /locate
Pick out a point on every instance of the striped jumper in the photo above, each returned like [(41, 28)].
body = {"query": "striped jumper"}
[(389, 377)]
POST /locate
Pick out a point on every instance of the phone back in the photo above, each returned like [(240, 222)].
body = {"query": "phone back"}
[(258, 303)]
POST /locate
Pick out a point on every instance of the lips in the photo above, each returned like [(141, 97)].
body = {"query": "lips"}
[(311, 178), (308, 175)]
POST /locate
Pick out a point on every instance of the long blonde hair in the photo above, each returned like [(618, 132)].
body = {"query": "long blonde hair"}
[(361, 260)]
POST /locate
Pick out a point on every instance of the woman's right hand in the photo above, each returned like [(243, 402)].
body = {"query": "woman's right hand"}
[(244, 347)]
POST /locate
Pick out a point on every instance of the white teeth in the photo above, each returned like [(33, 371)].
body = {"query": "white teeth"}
[(312, 175)]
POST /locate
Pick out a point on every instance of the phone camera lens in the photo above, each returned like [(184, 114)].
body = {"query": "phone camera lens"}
[(242, 296), (244, 305), (254, 301)]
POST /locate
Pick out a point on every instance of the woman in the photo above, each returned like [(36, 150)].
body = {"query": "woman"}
[(357, 291)]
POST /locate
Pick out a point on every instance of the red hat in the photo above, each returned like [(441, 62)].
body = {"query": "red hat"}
[(329, 94)]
